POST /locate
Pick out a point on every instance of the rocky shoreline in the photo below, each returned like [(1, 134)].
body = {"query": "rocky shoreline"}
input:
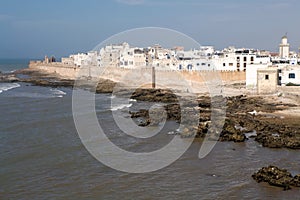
[(244, 114), (39, 78), (246, 117)]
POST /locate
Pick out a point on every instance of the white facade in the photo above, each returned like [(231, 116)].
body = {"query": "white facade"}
[(132, 58), (232, 59), (251, 75), (286, 74), (67, 61), (289, 74)]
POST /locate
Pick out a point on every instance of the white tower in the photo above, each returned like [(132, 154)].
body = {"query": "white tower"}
[(284, 48)]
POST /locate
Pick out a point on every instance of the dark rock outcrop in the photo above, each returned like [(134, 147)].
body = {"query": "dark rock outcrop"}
[(277, 177), (8, 78), (230, 133), (154, 95)]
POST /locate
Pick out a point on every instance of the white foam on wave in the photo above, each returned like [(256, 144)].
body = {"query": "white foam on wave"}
[(58, 92), (120, 107), (8, 86), (41, 94)]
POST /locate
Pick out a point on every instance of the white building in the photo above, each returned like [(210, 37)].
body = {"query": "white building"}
[(67, 61), (109, 56), (251, 75), (231, 59), (79, 59), (133, 58), (289, 74)]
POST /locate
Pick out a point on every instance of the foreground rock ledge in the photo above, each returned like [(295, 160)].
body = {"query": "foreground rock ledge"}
[(277, 177)]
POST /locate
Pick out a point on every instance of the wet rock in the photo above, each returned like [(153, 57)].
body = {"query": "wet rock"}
[(189, 132), (296, 181), (49, 82), (105, 86), (9, 78), (141, 113), (144, 122), (277, 177), (278, 138), (230, 133), (154, 95)]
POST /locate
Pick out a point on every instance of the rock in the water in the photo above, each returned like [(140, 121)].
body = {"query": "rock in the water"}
[(277, 177), (277, 138), (296, 181), (230, 133), (154, 95), (8, 78)]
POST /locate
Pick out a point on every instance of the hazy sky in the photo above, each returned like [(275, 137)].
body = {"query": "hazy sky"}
[(34, 28)]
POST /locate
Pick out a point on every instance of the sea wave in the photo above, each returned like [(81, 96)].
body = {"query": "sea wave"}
[(57, 92), (8, 86), (120, 107), (33, 92), (132, 100)]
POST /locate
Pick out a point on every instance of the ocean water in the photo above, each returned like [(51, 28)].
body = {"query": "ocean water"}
[(42, 157), (9, 65)]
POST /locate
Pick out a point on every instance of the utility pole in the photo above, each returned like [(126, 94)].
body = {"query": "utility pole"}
[(153, 77)]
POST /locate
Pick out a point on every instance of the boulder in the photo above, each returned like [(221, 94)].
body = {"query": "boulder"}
[(276, 177)]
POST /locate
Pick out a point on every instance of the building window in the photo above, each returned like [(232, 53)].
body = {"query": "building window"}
[(208, 65), (245, 65), (252, 59), (292, 76), (238, 58), (245, 59), (198, 64), (267, 77), (230, 64), (224, 64)]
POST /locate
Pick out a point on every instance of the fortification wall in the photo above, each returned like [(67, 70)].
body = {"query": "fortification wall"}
[(139, 77), (117, 74), (64, 71)]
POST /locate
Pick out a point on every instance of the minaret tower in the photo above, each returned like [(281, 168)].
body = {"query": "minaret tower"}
[(284, 48)]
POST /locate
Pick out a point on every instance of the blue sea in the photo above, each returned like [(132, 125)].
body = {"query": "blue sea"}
[(42, 156)]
